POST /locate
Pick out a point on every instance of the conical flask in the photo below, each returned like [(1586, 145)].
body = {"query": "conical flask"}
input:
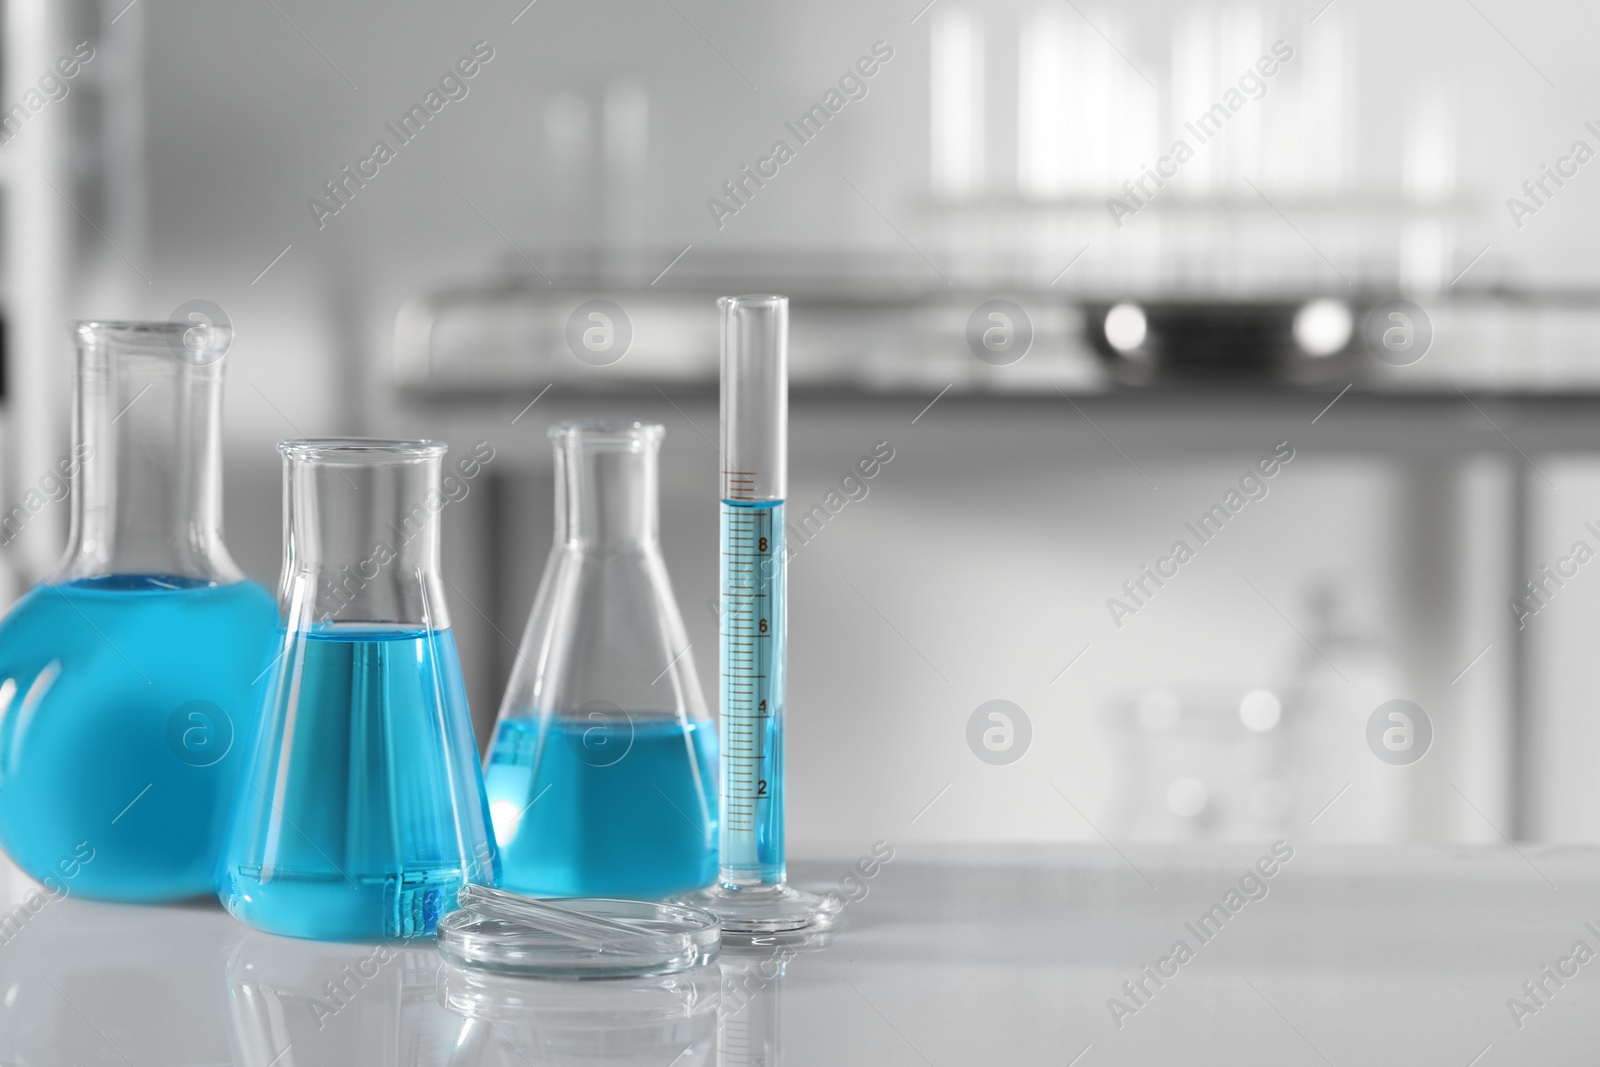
[(125, 677), (603, 769), (362, 812)]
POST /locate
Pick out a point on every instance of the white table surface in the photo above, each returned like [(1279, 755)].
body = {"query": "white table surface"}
[(1360, 956)]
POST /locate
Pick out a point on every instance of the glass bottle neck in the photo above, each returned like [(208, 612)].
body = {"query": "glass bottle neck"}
[(147, 499), (361, 534), (606, 488)]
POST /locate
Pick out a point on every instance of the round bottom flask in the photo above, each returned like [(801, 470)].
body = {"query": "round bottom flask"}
[(126, 699)]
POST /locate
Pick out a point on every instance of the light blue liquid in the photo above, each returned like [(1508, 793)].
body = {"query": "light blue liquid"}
[(754, 659), (363, 810), (623, 808), (126, 712)]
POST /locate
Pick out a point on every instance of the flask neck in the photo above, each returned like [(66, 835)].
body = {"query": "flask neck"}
[(607, 486), (147, 448), (361, 533), (605, 642)]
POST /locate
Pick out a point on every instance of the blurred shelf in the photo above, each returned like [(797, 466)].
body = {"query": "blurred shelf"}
[(882, 339), (1241, 201), (1090, 428)]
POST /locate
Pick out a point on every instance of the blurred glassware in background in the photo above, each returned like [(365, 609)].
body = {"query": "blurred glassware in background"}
[(1291, 215), (602, 773), (362, 812), (1344, 672), (1197, 763), (1044, 140), (125, 677), (1046, 146), (1211, 762)]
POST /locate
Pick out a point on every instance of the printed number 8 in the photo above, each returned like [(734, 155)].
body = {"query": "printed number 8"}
[(761, 546)]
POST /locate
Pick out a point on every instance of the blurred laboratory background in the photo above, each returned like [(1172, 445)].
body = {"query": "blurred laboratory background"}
[(1172, 324)]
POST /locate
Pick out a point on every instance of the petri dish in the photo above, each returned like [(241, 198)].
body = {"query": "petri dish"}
[(626, 939), (645, 1020)]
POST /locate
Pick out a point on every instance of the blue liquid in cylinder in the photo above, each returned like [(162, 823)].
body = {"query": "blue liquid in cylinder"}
[(364, 812), (126, 709), (623, 807), (754, 643)]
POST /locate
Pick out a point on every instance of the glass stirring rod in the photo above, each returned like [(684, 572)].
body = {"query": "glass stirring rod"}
[(751, 895)]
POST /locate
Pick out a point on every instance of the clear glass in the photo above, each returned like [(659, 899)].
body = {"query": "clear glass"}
[(126, 676), (602, 771), (755, 421), (755, 397), (583, 937), (363, 811), (751, 895), (750, 1009), (666, 1020)]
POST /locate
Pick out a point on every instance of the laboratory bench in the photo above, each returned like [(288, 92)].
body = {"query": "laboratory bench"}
[(1083, 955)]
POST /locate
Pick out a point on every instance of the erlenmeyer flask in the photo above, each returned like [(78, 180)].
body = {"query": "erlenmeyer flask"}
[(125, 677), (602, 774), (362, 810)]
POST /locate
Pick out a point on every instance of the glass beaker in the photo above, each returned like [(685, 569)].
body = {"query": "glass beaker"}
[(362, 810), (602, 774), (125, 676)]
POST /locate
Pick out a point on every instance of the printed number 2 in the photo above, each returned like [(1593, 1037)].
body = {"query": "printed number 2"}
[(761, 787)]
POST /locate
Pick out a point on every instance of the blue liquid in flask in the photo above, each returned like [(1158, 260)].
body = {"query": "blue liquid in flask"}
[(347, 828), (126, 709), (626, 807)]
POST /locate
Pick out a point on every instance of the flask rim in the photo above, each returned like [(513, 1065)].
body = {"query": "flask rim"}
[(154, 337), (363, 451), (752, 300), (629, 432)]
